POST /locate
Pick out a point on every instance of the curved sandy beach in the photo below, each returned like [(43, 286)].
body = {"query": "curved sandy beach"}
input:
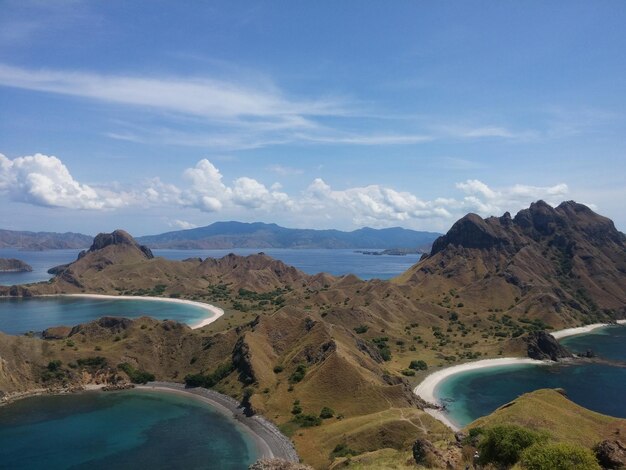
[(268, 439), (582, 329), (216, 312), (426, 388)]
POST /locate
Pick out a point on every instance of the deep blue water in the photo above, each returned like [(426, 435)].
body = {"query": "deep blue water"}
[(19, 316), (313, 261), (121, 430), (598, 387)]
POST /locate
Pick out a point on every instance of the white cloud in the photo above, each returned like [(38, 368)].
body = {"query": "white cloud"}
[(182, 224), (285, 170), (45, 181)]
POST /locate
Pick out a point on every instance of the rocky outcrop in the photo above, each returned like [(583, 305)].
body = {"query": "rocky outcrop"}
[(544, 346), (12, 265), (611, 454), (118, 237)]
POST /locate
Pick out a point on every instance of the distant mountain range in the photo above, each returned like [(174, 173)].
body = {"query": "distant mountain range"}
[(43, 240), (260, 235)]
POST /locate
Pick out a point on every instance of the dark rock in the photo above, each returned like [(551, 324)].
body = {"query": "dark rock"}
[(470, 232), (118, 237), (543, 346), (611, 454), (242, 361)]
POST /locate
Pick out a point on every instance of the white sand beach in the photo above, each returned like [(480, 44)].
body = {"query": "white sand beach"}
[(426, 388), (559, 334), (216, 312)]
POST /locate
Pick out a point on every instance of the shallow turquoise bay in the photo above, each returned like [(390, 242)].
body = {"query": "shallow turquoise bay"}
[(19, 316), (130, 429), (599, 387)]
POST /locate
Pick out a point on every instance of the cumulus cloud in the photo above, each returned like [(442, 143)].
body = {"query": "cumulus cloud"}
[(45, 181)]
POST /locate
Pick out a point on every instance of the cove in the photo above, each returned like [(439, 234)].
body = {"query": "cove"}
[(598, 387), (129, 429), (21, 315)]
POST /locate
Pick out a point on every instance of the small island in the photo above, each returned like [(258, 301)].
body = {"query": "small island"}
[(12, 265)]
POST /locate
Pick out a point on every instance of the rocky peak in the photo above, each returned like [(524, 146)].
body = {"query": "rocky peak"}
[(118, 237), (470, 232), (544, 346)]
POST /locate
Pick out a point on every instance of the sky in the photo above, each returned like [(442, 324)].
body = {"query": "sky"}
[(154, 115)]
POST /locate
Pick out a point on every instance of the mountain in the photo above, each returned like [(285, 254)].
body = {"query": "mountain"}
[(299, 341), (12, 265), (261, 235), (43, 240), (565, 264)]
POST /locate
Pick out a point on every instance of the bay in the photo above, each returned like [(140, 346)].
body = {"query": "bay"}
[(129, 429), (598, 387)]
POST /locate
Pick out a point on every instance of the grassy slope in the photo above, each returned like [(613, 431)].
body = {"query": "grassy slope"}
[(550, 410)]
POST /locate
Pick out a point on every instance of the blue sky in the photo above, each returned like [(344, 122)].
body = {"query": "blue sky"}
[(152, 116)]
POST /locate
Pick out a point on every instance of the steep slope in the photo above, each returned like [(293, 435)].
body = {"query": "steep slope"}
[(260, 235), (562, 265)]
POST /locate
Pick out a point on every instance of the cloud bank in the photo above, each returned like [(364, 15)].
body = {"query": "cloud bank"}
[(43, 180)]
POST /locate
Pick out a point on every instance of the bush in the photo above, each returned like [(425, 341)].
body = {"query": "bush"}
[(408, 372), (136, 376), (298, 374), (503, 444), (342, 450), (307, 421), (53, 366), (418, 365), (326, 413), (361, 329), (558, 456), (278, 369), (209, 380), (296, 409)]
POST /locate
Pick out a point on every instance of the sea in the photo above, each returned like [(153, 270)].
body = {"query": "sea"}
[(312, 261), (19, 316), (598, 387), (122, 430)]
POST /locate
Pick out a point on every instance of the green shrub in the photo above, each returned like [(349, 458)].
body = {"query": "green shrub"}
[(209, 380), (296, 409), (326, 413), (408, 372), (342, 450), (307, 421), (55, 365), (418, 365), (278, 369), (558, 456), (136, 376), (361, 329), (503, 444), (298, 374)]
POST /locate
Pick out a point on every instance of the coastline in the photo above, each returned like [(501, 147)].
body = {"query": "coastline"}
[(581, 330), (269, 441), (426, 388), (216, 312)]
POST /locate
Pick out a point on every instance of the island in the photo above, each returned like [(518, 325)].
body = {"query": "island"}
[(12, 265)]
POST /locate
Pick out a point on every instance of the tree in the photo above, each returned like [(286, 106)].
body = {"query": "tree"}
[(326, 413), (558, 456), (503, 444)]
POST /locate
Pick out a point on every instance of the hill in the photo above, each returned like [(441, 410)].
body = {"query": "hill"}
[(8, 265), (560, 265), (303, 342), (260, 235), (43, 240)]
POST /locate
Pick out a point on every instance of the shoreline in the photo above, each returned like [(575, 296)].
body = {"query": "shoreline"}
[(269, 441), (426, 388), (215, 311), (581, 330)]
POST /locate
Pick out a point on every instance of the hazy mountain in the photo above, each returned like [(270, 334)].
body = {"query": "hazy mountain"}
[(261, 235), (43, 240)]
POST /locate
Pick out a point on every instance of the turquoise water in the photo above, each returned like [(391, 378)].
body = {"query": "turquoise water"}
[(19, 316), (131, 429), (311, 261), (598, 387)]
